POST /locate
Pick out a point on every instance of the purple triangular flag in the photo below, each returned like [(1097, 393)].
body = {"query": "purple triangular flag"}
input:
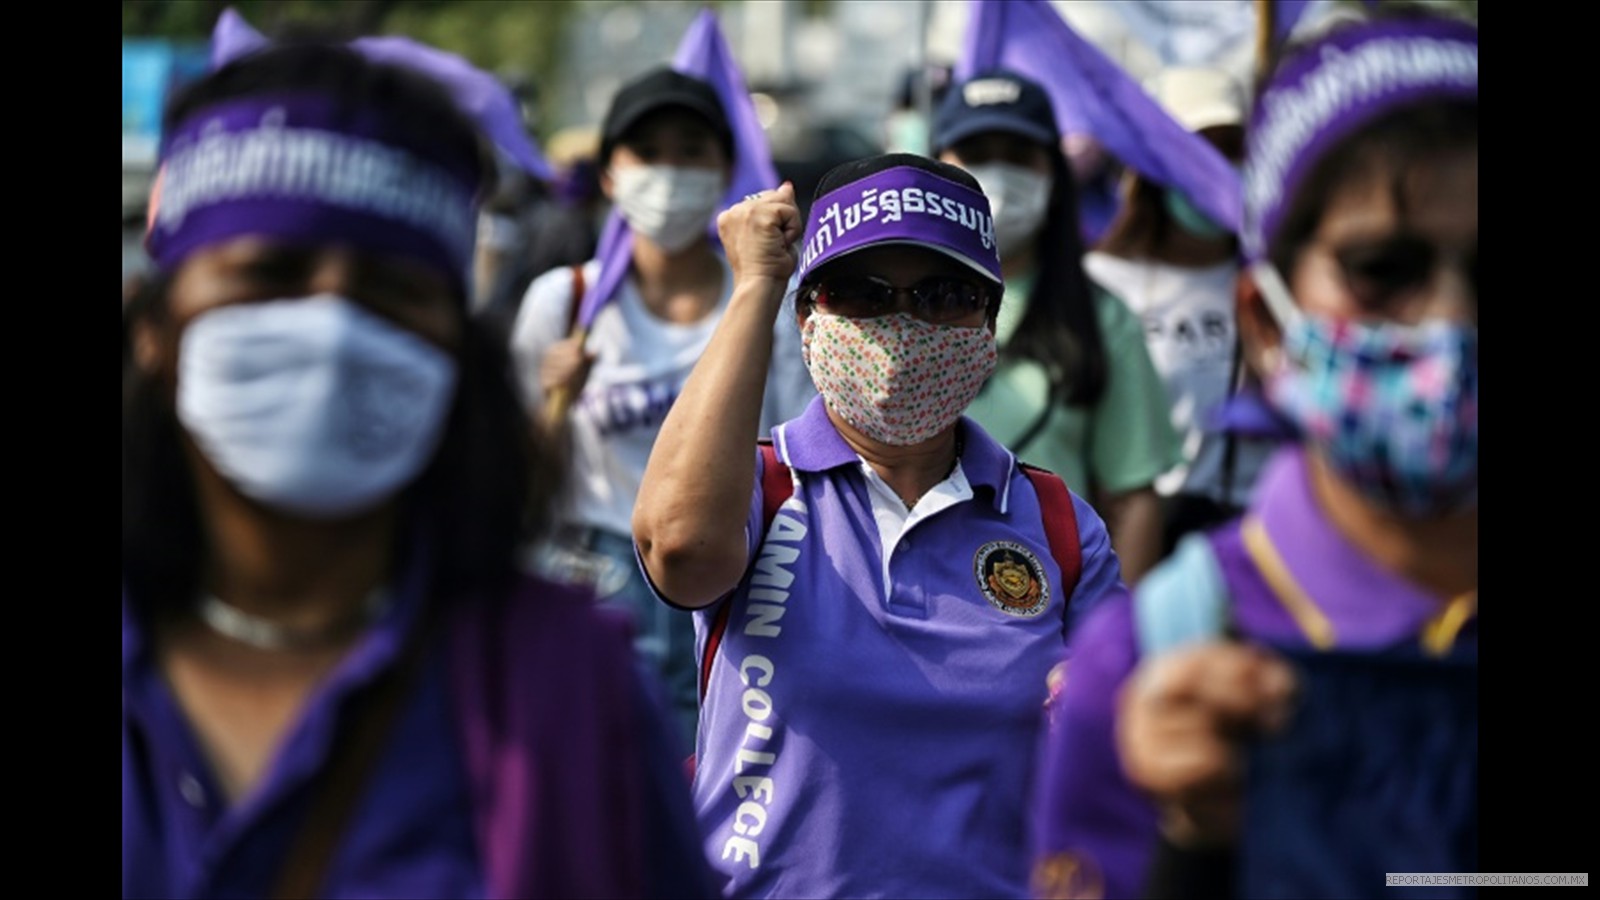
[(1093, 95), (480, 95), (704, 54), (233, 37)]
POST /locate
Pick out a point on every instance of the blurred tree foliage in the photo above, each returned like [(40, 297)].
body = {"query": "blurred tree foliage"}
[(521, 41)]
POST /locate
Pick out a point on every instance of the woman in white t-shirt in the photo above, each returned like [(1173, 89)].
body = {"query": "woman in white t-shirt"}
[(1176, 270), (666, 154)]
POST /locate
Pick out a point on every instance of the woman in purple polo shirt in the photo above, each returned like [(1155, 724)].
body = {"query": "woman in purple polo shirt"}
[(874, 662), (1350, 583), (334, 682)]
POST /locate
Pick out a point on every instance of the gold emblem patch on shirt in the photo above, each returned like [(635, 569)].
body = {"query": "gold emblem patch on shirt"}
[(1012, 578)]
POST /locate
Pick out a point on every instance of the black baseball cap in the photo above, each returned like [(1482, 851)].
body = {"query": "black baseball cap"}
[(654, 90), (995, 101)]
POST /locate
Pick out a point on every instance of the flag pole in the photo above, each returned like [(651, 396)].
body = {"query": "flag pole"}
[(1265, 24), (560, 399), (922, 82)]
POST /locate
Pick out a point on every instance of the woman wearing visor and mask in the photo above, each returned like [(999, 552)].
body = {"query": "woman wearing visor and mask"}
[(1289, 702), (667, 153), (1074, 390), (335, 682), (875, 647)]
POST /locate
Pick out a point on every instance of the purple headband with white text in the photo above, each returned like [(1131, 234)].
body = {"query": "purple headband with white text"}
[(307, 168), (1335, 87), (902, 205)]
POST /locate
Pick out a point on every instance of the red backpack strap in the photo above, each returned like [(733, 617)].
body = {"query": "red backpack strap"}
[(776, 487), (577, 296), (1060, 523)]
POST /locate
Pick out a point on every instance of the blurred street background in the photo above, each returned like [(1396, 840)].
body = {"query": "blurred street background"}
[(832, 80)]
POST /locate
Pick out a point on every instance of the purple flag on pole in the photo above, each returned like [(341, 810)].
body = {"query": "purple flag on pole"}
[(704, 54), (1091, 94), (480, 95)]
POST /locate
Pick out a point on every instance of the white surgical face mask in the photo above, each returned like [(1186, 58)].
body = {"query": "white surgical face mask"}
[(670, 205), (315, 406), (1018, 198)]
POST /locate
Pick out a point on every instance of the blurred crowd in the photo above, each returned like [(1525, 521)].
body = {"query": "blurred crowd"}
[(976, 512)]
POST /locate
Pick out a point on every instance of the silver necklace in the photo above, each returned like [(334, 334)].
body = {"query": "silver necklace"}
[(264, 634)]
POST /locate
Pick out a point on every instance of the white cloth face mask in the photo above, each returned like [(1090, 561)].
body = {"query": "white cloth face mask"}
[(670, 205), (315, 406), (1018, 198)]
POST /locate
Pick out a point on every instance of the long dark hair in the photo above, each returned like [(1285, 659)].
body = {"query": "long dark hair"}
[(489, 488), (1060, 330)]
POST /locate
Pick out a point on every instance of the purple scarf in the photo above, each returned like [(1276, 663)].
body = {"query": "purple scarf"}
[(542, 683)]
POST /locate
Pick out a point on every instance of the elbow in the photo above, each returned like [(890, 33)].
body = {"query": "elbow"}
[(689, 568)]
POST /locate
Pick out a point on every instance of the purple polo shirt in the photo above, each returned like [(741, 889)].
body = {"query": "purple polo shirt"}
[(1094, 831), (411, 831), (858, 743)]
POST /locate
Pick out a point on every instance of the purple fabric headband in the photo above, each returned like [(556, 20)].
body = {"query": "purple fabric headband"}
[(304, 168), (1332, 89), (902, 205)]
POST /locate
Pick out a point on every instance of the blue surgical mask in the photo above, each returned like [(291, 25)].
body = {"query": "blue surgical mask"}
[(1189, 217), (312, 406)]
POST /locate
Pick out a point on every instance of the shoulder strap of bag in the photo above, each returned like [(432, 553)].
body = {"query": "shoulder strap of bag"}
[(1060, 524), (352, 759), (776, 486), (1182, 600)]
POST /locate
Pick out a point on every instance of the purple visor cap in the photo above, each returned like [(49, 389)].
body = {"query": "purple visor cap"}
[(902, 205)]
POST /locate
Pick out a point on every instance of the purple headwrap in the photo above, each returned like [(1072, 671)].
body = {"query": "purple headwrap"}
[(902, 205), (1330, 90), (303, 167)]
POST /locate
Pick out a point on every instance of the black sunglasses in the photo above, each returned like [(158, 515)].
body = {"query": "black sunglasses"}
[(1379, 272), (937, 298)]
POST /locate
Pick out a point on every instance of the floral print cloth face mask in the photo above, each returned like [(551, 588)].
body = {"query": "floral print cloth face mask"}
[(896, 378)]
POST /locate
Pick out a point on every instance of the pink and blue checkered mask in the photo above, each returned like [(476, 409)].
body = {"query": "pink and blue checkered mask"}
[(1394, 408)]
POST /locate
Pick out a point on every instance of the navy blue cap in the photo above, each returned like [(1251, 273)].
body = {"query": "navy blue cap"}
[(995, 101)]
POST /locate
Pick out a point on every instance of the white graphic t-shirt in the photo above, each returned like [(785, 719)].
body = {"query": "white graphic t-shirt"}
[(1188, 316), (641, 363)]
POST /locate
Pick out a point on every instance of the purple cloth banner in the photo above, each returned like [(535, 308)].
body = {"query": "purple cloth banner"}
[(704, 54), (1092, 95), (480, 95), (898, 206), (1286, 14)]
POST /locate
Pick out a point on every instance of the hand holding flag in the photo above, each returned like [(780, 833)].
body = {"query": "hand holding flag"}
[(703, 53)]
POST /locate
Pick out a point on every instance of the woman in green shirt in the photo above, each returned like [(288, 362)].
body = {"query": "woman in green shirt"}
[(1075, 390)]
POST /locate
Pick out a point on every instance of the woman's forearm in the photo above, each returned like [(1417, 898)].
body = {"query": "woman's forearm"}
[(690, 514)]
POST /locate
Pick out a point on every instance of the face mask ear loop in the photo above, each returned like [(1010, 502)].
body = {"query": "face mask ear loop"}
[(1279, 301)]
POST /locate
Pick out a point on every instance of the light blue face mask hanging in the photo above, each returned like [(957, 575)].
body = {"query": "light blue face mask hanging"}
[(1189, 217), (315, 406)]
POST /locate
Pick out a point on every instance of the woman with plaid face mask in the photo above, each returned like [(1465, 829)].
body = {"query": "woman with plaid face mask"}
[(1340, 609)]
